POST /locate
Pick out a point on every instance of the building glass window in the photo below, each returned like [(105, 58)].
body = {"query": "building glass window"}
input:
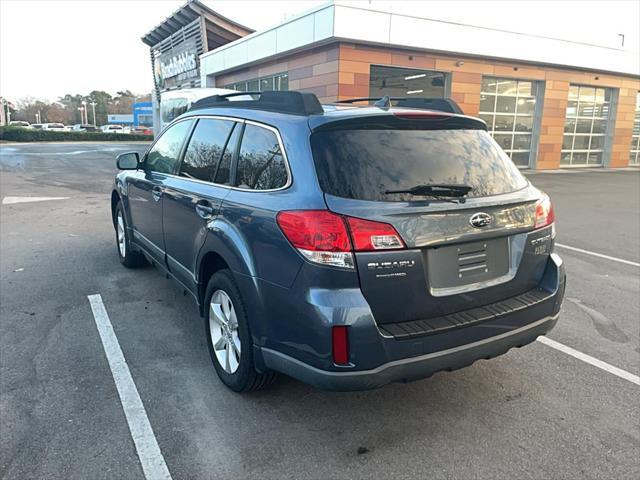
[(405, 82), (585, 127), (279, 81), (634, 156), (508, 106)]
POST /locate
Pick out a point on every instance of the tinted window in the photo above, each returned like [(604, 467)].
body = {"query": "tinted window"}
[(260, 163), (363, 164), (223, 174), (205, 148), (164, 155), (172, 108)]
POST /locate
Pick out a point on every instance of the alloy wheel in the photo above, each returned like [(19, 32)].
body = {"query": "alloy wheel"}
[(122, 246), (223, 328)]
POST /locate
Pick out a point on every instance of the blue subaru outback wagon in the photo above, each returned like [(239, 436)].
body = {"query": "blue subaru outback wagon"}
[(345, 245)]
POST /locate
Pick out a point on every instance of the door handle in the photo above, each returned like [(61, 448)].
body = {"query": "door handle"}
[(204, 210), (156, 193)]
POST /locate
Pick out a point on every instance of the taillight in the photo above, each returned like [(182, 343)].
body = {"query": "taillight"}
[(319, 235), (544, 213), (369, 236), (340, 345), (322, 236)]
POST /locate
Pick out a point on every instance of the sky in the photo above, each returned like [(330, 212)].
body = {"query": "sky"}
[(52, 47)]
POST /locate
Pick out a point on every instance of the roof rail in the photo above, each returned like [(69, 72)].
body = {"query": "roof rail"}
[(439, 104), (291, 102)]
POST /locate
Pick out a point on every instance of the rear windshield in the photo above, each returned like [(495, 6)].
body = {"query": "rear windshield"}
[(363, 164)]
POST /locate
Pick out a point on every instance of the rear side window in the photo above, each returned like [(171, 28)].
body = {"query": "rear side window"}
[(261, 165), (364, 164), (164, 155), (205, 149)]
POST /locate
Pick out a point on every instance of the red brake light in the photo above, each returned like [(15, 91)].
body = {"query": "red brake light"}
[(322, 236), (369, 236), (340, 345), (319, 235), (315, 230), (417, 115), (544, 213)]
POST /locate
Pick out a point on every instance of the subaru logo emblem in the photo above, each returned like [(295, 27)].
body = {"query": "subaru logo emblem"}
[(480, 219)]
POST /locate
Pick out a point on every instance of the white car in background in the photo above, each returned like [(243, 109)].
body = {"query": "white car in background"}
[(112, 129), (19, 123), (54, 127), (175, 102)]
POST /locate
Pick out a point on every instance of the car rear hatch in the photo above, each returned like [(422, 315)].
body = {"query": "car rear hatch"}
[(457, 254)]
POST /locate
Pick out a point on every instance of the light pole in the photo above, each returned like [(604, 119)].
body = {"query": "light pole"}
[(84, 107), (81, 114), (93, 107)]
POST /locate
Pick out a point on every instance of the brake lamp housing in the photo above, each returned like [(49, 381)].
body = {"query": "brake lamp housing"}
[(330, 239), (544, 214)]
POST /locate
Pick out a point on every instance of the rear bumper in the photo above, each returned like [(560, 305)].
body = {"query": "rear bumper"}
[(409, 369), (378, 357)]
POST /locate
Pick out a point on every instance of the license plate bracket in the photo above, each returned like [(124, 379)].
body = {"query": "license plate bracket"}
[(462, 264)]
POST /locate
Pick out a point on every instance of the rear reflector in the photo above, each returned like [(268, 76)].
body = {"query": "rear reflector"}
[(340, 345), (370, 236), (545, 215)]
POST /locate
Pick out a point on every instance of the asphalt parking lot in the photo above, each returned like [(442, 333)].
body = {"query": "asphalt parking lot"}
[(536, 412)]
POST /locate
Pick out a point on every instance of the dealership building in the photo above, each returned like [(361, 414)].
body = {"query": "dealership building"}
[(549, 103)]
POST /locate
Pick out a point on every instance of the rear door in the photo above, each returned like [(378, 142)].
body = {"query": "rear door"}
[(449, 264), (146, 188), (193, 198)]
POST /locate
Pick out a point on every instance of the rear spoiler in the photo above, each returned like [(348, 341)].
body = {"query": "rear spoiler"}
[(439, 104), (398, 119)]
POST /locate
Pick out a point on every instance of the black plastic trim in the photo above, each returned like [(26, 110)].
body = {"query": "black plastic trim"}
[(465, 318)]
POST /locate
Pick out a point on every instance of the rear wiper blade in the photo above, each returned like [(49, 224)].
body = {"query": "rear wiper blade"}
[(435, 190)]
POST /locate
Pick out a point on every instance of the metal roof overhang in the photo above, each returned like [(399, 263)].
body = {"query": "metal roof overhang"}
[(220, 30)]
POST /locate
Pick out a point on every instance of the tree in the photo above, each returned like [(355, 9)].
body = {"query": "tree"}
[(123, 102), (65, 110)]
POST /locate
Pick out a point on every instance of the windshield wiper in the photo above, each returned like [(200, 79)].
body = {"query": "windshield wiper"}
[(441, 191)]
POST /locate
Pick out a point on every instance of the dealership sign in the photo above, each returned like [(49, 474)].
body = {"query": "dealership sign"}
[(178, 65)]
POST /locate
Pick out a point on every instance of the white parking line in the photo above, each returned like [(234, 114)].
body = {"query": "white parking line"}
[(588, 252), (12, 200), (590, 360), (151, 459)]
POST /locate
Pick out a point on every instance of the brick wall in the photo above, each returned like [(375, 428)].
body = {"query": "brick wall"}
[(313, 71), (466, 76), (341, 70)]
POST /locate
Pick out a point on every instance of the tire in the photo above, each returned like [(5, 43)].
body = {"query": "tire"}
[(128, 257), (229, 339)]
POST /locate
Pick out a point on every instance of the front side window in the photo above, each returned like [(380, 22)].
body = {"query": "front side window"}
[(165, 153), (508, 106), (261, 165), (205, 148)]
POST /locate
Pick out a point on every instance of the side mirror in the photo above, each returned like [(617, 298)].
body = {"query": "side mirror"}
[(128, 161)]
